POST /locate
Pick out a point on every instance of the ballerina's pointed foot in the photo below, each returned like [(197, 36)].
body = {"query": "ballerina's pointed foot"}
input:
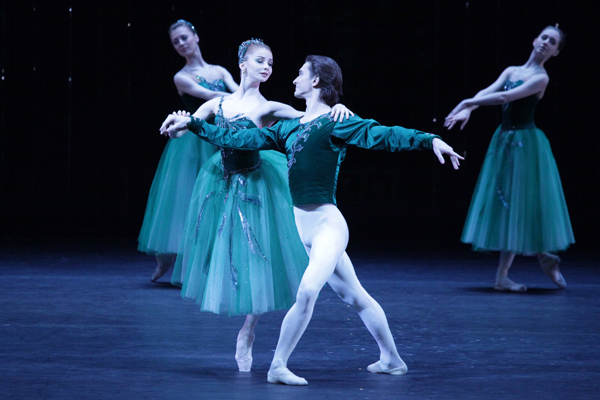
[(506, 285), (377, 368), (244, 362), (549, 264), (164, 262), (160, 270), (285, 376)]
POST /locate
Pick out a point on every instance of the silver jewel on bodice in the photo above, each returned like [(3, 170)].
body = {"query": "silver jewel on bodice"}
[(216, 86)]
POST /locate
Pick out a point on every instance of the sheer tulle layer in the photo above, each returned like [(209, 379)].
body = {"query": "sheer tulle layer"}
[(170, 193), (241, 253), (518, 204)]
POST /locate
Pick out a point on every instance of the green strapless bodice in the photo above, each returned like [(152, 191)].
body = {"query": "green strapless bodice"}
[(518, 114), (192, 103), (237, 161)]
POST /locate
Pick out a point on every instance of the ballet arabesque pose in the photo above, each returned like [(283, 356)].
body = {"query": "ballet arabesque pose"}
[(171, 189), (518, 206), (241, 253), (315, 146)]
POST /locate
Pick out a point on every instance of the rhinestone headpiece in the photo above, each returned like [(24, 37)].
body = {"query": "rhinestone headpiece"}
[(243, 49), (188, 24)]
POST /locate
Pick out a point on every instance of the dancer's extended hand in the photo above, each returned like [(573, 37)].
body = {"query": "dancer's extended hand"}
[(440, 148), (460, 116), (176, 124), (341, 111)]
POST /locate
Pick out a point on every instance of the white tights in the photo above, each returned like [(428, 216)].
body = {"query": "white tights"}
[(324, 232)]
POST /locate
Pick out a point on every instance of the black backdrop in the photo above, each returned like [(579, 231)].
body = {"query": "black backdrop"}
[(85, 86)]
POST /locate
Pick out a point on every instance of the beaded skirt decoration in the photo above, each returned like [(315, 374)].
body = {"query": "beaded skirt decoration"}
[(241, 253)]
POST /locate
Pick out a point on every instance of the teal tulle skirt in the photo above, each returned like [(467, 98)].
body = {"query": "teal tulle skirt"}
[(170, 193), (518, 204), (241, 253)]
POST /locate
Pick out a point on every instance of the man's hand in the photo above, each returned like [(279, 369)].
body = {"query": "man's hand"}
[(340, 111), (440, 148)]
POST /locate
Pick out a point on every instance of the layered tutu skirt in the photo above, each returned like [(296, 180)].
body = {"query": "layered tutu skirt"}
[(241, 253), (518, 204), (170, 193)]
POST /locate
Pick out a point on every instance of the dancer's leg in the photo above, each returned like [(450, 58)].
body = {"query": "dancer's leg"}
[(164, 261), (549, 263), (245, 339), (345, 283), (325, 234), (502, 281)]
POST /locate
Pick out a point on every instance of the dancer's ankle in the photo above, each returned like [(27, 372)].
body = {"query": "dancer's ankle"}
[(500, 274), (278, 363), (245, 333)]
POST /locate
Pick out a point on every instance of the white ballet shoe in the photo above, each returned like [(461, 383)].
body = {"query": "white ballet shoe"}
[(376, 368), (504, 284), (245, 363), (549, 264), (285, 376)]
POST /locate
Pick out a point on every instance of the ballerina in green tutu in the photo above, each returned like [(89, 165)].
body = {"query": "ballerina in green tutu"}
[(518, 206), (241, 253), (181, 160)]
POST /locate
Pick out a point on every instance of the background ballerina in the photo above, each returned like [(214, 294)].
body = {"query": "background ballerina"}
[(181, 160), (518, 206)]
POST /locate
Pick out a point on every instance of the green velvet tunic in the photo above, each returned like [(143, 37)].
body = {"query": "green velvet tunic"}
[(315, 149)]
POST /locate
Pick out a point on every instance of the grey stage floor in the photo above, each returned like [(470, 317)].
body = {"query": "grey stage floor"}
[(81, 320)]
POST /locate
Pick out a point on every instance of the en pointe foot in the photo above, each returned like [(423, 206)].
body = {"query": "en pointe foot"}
[(164, 262), (504, 284), (549, 264), (160, 270), (243, 353), (285, 376), (378, 368)]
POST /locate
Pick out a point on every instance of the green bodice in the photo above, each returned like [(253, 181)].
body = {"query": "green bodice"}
[(192, 103), (236, 161), (518, 114)]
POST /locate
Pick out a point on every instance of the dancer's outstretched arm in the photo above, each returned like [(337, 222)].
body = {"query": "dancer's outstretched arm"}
[(245, 139), (463, 115), (368, 134), (275, 111), (534, 85), (177, 118), (494, 95)]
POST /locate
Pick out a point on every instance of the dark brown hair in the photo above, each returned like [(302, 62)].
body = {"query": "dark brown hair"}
[(330, 78)]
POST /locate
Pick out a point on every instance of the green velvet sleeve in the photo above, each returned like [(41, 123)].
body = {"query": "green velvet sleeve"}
[(368, 134), (243, 139)]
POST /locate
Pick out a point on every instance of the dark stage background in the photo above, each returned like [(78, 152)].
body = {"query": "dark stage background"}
[(85, 86)]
